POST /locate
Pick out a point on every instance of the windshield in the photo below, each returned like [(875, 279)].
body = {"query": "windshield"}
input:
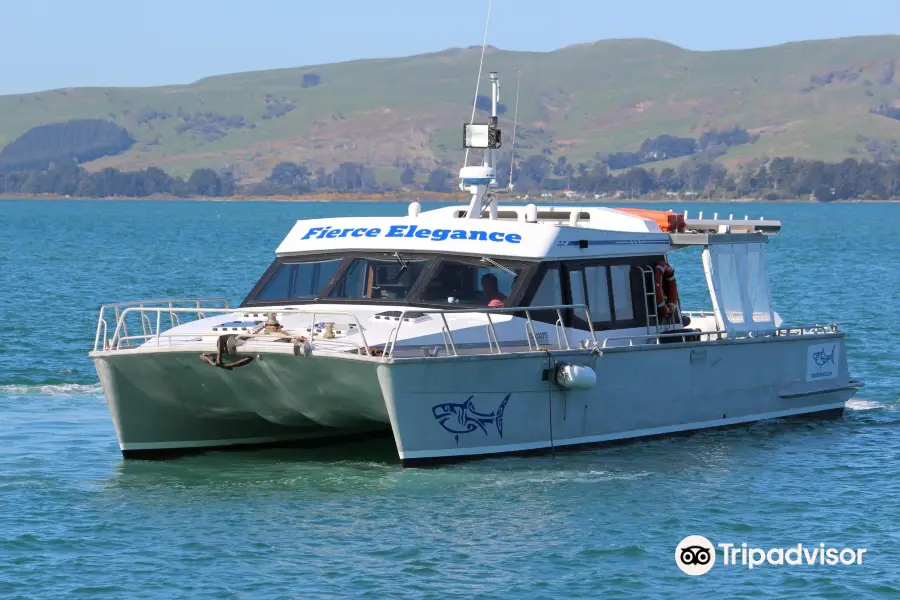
[(298, 280), (419, 279), (469, 284), (378, 279)]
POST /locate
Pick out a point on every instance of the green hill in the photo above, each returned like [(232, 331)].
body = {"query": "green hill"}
[(807, 99)]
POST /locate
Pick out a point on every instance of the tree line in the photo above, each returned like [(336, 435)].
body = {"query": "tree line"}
[(81, 139), (697, 176)]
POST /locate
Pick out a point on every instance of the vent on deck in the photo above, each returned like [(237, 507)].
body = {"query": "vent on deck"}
[(409, 317)]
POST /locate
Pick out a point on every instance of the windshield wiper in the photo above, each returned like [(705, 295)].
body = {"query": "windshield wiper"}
[(498, 265), (403, 265)]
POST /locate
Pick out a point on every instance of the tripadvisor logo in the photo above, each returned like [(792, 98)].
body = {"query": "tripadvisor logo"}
[(696, 555)]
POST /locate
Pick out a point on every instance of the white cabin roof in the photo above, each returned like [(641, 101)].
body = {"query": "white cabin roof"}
[(596, 232)]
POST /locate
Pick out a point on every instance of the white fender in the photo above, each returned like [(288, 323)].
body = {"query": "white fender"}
[(575, 377)]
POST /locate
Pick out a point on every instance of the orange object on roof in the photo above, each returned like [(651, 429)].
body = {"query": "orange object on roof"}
[(667, 220)]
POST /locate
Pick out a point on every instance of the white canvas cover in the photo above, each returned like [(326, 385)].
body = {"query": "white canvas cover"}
[(738, 280)]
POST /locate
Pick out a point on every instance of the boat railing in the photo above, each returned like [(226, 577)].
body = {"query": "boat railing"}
[(451, 345), (153, 326), (698, 313), (197, 306), (707, 335), (657, 338), (156, 318)]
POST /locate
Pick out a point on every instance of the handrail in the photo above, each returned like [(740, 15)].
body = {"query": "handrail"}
[(783, 331), (167, 301), (120, 334), (151, 330), (658, 336), (529, 324), (116, 307)]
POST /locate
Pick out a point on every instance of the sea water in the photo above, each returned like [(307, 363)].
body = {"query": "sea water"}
[(78, 521)]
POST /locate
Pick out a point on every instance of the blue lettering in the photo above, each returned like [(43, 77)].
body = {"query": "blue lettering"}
[(412, 231)]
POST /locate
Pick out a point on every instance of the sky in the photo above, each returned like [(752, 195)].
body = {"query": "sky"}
[(47, 44)]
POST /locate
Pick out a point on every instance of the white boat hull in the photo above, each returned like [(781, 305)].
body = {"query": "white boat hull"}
[(642, 391), (166, 401)]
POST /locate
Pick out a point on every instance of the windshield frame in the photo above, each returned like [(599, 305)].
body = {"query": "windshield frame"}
[(413, 297)]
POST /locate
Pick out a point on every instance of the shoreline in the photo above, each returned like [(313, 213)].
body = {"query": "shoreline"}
[(430, 197)]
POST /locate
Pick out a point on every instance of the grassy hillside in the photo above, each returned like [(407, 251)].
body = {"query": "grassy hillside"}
[(807, 99)]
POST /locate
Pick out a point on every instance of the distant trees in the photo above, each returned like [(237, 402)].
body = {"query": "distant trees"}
[(485, 103), (292, 177), (310, 80), (408, 176), (81, 140), (65, 177), (208, 125), (277, 108), (439, 180), (886, 110), (712, 143), (204, 182), (699, 174), (782, 177)]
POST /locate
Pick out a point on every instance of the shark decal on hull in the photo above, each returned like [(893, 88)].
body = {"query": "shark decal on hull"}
[(462, 418)]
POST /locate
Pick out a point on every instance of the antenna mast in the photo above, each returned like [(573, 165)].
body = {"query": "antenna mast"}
[(512, 156), (481, 180), (487, 25)]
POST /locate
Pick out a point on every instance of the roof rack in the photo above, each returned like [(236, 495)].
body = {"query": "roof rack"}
[(731, 225)]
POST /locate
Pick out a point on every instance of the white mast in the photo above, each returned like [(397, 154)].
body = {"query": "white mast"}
[(480, 181)]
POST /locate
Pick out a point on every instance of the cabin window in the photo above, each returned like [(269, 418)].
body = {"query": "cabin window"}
[(371, 279), (469, 284), (297, 280), (623, 302), (576, 282), (608, 292), (597, 281), (549, 292)]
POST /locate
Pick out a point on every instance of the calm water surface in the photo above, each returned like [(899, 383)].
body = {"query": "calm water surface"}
[(78, 521)]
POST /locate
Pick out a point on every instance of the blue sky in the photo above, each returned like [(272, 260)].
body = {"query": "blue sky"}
[(48, 44)]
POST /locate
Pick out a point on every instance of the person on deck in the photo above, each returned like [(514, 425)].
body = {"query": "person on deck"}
[(492, 293)]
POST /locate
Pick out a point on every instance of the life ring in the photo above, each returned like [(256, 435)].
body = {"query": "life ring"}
[(666, 289)]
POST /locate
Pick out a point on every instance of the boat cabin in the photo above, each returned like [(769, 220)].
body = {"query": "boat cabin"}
[(602, 258)]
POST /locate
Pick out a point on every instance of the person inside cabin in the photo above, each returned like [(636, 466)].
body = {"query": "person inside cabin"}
[(491, 291)]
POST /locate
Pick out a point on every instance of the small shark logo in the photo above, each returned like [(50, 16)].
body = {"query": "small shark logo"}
[(463, 418), (823, 359)]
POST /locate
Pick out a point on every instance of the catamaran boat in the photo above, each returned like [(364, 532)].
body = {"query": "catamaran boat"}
[(470, 331)]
